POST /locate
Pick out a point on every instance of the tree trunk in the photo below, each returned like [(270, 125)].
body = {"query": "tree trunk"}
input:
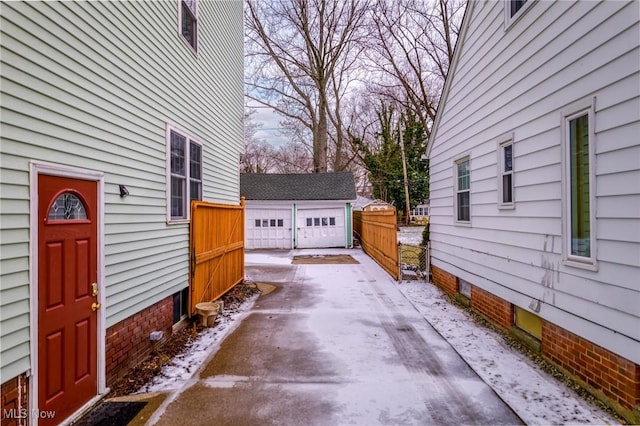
[(320, 138)]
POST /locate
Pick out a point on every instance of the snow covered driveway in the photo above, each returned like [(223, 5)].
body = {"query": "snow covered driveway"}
[(334, 344)]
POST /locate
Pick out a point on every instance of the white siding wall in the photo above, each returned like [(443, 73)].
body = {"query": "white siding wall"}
[(93, 85), (519, 81)]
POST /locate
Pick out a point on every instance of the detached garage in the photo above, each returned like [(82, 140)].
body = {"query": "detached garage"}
[(298, 210)]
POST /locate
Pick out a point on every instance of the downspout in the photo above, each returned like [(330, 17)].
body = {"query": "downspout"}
[(349, 217), (294, 226)]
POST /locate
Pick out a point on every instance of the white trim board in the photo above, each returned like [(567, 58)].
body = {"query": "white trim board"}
[(41, 168)]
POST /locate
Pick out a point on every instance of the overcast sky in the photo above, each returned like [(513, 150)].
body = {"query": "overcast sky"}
[(270, 129)]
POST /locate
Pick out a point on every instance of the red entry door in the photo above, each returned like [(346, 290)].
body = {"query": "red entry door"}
[(67, 295)]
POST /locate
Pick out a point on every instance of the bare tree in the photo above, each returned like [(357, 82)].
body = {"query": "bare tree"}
[(258, 155), (300, 55), (412, 50), (293, 158)]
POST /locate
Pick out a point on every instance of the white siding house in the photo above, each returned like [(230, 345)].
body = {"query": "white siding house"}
[(114, 116), (535, 181)]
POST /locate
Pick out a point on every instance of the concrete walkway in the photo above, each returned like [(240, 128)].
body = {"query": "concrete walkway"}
[(334, 344)]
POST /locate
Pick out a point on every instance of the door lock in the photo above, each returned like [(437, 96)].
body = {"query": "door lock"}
[(95, 306), (94, 289)]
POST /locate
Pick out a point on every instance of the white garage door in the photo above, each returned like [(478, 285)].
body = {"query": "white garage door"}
[(268, 228), (321, 228)]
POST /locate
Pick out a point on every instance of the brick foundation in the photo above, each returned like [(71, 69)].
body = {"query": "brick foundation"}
[(128, 343), (492, 307), (617, 378), (613, 379), (497, 310), (15, 401), (444, 280)]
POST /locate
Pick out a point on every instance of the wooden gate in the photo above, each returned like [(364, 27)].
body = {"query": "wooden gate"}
[(378, 234), (216, 250)]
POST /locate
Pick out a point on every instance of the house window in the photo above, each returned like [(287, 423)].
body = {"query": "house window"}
[(67, 207), (257, 223), (579, 193), (280, 223), (189, 22), (505, 173), (463, 188), (514, 9), (195, 169), (309, 222), (515, 6), (185, 158)]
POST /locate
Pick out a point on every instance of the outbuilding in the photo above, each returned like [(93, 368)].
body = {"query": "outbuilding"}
[(285, 211), (367, 204)]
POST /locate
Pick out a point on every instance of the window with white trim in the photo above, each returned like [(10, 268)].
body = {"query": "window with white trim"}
[(514, 9), (515, 6), (189, 22), (505, 173), (579, 191), (462, 173), (185, 177)]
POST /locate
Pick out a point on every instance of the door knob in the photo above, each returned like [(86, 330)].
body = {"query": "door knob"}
[(95, 306)]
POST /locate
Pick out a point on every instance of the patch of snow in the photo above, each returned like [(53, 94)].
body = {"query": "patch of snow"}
[(183, 366), (411, 235), (532, 393), (274, 257)]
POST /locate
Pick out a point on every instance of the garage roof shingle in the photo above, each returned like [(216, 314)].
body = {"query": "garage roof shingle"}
[(315, 186)]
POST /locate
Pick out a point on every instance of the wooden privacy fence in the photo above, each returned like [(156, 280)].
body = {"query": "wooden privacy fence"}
[(378, 235), (216, 250)]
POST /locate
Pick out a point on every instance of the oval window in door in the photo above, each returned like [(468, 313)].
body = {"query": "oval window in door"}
[(67, 207)]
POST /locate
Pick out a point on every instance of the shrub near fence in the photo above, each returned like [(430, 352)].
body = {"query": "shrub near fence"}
[(378, 235)]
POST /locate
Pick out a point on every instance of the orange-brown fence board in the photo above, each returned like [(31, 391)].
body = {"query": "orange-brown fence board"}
[(216, 250), (378, 235)]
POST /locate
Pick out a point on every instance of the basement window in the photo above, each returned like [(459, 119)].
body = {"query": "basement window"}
[(180, 305), (464, 288), (528, 322)]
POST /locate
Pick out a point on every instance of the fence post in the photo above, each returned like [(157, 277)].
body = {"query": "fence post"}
[(399, 262), (428, 271)]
